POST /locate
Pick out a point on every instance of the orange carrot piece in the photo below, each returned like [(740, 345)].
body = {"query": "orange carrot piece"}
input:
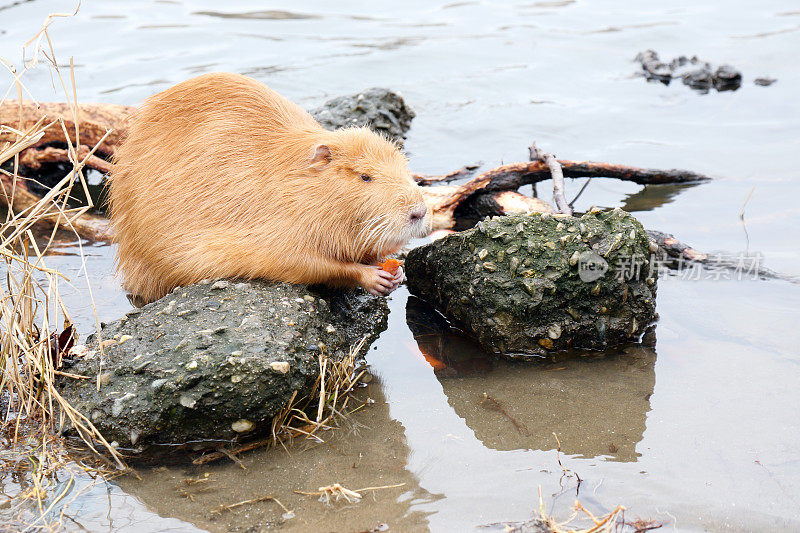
[(390, 265)]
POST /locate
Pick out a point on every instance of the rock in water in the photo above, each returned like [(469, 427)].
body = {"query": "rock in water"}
[(533, 284), (382, 110), (213, 361), (693, 71)]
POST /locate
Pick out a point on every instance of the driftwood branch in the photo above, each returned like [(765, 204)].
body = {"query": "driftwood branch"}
[(676, 254), (444, 200), (34, 158), (515, 175), (556, 172), (94, 121), (499, 203), (429, 179)]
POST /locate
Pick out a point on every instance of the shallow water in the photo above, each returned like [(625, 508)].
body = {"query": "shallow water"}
[(699, 431)]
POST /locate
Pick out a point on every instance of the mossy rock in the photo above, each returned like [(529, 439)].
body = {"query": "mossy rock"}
[(535, 284), (212, 362)]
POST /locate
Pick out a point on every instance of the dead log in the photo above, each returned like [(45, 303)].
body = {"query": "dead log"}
[(503, 203), (443, 200), (497, 203), (16, 194), (94, 120), (677, 255), (34, 158), (429, 179), (515, 175)]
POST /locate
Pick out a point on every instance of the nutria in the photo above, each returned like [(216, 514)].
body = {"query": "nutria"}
[(222, 177)]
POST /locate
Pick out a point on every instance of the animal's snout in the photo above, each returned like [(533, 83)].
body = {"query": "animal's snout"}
[(418, 213)]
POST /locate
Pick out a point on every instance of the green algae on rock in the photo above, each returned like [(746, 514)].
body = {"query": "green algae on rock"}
[(212, 361), (534, 284)]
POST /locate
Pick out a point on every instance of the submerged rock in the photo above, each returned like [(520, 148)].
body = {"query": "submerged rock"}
[(534, 284), (213, 361), (384, 111)]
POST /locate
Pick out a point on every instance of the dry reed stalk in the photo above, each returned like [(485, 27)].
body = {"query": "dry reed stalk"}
[(609, 523), (31, 310), (336, 381), (288, 513)]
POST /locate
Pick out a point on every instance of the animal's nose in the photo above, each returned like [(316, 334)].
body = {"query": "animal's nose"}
[(418, 213)]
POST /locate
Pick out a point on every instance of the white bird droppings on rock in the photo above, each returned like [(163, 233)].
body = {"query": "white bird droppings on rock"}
[(242, 426), (187, 401), (80, 350), (280, 366), (116, 408)]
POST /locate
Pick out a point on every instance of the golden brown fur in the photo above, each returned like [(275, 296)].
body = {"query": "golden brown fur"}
[(221, 177)]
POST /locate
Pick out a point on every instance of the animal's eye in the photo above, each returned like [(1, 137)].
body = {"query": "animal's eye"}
[(366, 177)]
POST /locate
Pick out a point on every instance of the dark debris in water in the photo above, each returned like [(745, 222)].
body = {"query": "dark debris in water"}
[(694, 72), (764, 82)]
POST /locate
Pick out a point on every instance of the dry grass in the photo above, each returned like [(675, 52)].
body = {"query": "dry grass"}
[(337, 492), (581, 521), (35, 326), (327, 403)]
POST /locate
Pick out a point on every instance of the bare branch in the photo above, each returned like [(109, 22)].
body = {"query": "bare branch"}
[(557, 175)]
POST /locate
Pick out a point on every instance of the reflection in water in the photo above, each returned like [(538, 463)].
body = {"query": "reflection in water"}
[(446, 350), (369, 450), (651, 197), (270, 14), (79, 502), (596, 404)]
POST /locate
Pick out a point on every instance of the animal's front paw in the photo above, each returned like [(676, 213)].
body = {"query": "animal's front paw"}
[(379, 282), (398, 278)]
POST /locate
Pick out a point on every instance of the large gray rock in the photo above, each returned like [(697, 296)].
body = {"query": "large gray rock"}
[(213, 361), (535, 284), (382, 110)]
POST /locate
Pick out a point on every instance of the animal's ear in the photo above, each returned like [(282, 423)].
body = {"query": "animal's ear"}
[(322, 156)]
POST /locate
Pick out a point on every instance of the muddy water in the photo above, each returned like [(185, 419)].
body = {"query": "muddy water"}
[(699, 431)]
